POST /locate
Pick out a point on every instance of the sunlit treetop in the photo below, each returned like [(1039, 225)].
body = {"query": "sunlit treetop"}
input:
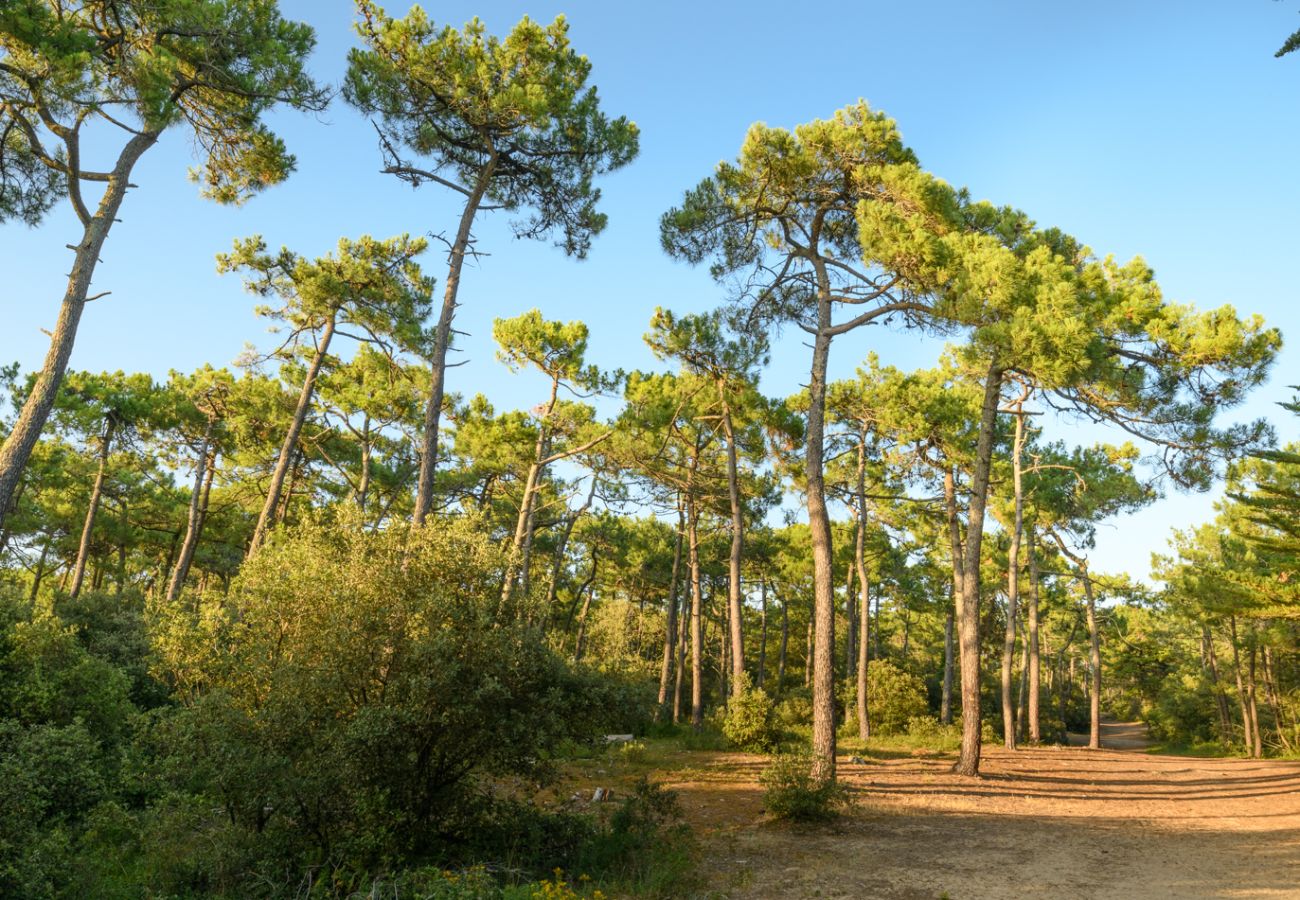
[(211, 67), (514, 115)]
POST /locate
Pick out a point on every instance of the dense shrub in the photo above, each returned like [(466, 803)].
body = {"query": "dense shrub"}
[(792, 791), (356, 692), (794, 711), (894, 698), (750, 722)]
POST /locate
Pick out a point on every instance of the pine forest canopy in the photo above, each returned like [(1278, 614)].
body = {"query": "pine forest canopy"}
[(314, 613)]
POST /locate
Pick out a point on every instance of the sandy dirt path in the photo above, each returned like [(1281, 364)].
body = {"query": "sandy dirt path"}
[(1060, 822)]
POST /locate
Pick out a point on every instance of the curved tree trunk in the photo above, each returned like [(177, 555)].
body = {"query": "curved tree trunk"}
[(864, 595), (202, 473), (92, 510), (21, 440), (267, 519), (442, 342)]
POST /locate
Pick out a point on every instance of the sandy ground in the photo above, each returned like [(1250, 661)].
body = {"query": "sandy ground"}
[(1064, 822)]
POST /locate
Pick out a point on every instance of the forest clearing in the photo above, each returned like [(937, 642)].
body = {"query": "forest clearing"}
[(1114, 823), (427, 476)]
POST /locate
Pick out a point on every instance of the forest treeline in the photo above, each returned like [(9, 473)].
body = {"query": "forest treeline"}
[(321, 618)]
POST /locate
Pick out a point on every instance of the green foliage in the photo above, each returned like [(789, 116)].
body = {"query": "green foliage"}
[(750, 721), (894, 698), (512, 118), (792, 791), (213, 68), (357, 689)]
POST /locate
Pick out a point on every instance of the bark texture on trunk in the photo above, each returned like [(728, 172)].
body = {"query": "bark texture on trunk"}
[(1032, 711), (21, 440), (670, 626), (735, 603), (819, 527), (268, 517), (1013, 588), (1094, 663), (92, 509), (697, 611), (442, 342), (968, 613), (202, 474)]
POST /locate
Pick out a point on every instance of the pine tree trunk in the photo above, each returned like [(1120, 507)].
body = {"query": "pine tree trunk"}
[(442, 342), (92, 510), (735, 603), (697, 611), (267, 520), (785, 644), (864, 596), (1220, 695), (1251, 692), (670, 626), (945, 703), (1035, 730), (21, 440), (762, 631), (819, 528), (202, 473), (1013, 586), (1094, 664), (968, 598)]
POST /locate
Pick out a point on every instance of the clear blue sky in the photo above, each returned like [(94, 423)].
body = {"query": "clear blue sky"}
[(1159, 128)]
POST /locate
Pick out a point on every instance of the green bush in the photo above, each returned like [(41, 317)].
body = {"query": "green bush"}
[(928, 731), (894, 698), (795, 710), (356, 693), (750, 723), (792, 791)]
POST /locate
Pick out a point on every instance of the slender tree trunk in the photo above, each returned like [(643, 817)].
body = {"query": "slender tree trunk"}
[(267, 520), (363, 486), (1220, 696), (945, 703), (1251, 692), (1270, 685), (697, 610), (1035, 679), (670, 626), (21, 440), (442, 342), (588, 589), (683, 617), (557, 566), (202, 473), (785, 643), (1094, 663), (92, 510), (864, 595), (735, 600), (762, 631), (1013, 587), (1022, 701), (1246, 729), (850, 626), (40, 569), (968, 598), (819, 527)]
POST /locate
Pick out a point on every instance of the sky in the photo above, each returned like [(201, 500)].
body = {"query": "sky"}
[(1161, 128)]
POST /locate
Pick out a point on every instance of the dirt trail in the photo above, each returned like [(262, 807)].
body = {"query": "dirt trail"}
[(1070, 822)]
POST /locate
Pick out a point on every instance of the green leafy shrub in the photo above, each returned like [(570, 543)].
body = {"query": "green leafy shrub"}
[(894, 698), (750, 723), (794, 711), (928, 731), (356, 689), (792, 791)]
